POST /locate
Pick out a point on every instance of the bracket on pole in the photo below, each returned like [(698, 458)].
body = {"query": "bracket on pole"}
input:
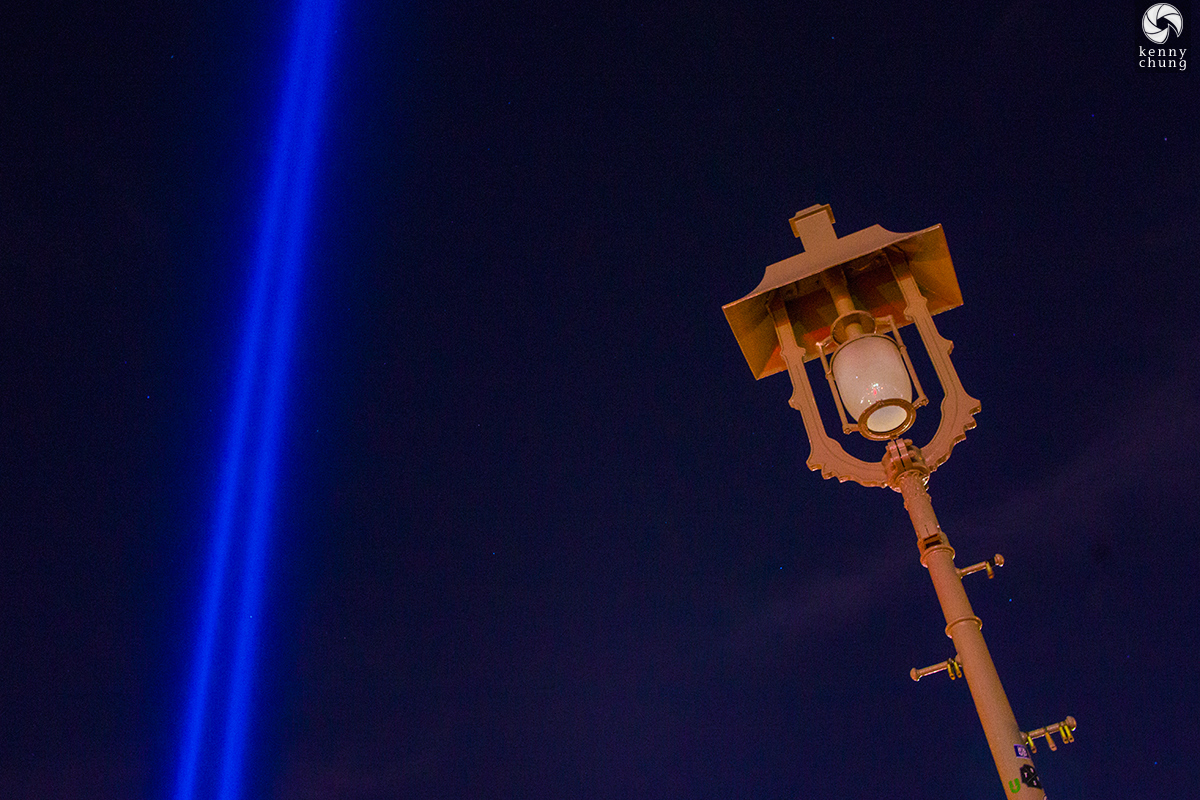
[(1063, 729), (950, 665), (990, 565)]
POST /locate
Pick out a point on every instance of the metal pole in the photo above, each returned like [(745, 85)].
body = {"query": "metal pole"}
[(908, 473)]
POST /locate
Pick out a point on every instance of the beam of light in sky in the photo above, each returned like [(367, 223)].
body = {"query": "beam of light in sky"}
[(214, 737)]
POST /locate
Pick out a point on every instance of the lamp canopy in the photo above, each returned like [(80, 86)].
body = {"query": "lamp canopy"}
[(865, 258)]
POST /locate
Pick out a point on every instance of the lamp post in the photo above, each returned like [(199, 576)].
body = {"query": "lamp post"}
[(844, 300)]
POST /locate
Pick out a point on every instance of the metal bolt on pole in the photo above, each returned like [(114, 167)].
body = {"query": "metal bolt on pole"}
[(908, 474)]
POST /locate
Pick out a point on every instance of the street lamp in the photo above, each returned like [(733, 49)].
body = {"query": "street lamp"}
[(844, 301)]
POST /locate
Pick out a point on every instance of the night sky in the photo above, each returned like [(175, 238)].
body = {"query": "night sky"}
[(540, 533)]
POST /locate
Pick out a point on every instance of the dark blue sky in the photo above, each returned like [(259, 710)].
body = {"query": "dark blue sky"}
[(541, 533)]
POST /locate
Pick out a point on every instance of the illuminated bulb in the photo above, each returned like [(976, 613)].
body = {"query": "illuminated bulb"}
[(868, 371)]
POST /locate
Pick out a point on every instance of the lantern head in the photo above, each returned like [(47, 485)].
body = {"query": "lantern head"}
[(844, 300)]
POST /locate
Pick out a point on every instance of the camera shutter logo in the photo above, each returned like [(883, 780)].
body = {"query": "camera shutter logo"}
[(1159, 20)]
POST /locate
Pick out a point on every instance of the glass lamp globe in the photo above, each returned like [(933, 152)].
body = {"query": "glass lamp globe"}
[(874, 385)]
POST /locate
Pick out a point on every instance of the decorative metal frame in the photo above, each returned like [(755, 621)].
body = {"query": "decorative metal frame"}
[(958, 408)]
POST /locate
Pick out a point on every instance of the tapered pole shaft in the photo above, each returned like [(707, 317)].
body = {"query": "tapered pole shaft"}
[(1017, 773)]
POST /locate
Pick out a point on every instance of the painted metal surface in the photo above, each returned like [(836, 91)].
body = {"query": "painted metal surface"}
[(963, 626), (813, 311), (788, 319)]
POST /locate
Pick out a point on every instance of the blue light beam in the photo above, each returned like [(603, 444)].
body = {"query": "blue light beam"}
[(215, 738)]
